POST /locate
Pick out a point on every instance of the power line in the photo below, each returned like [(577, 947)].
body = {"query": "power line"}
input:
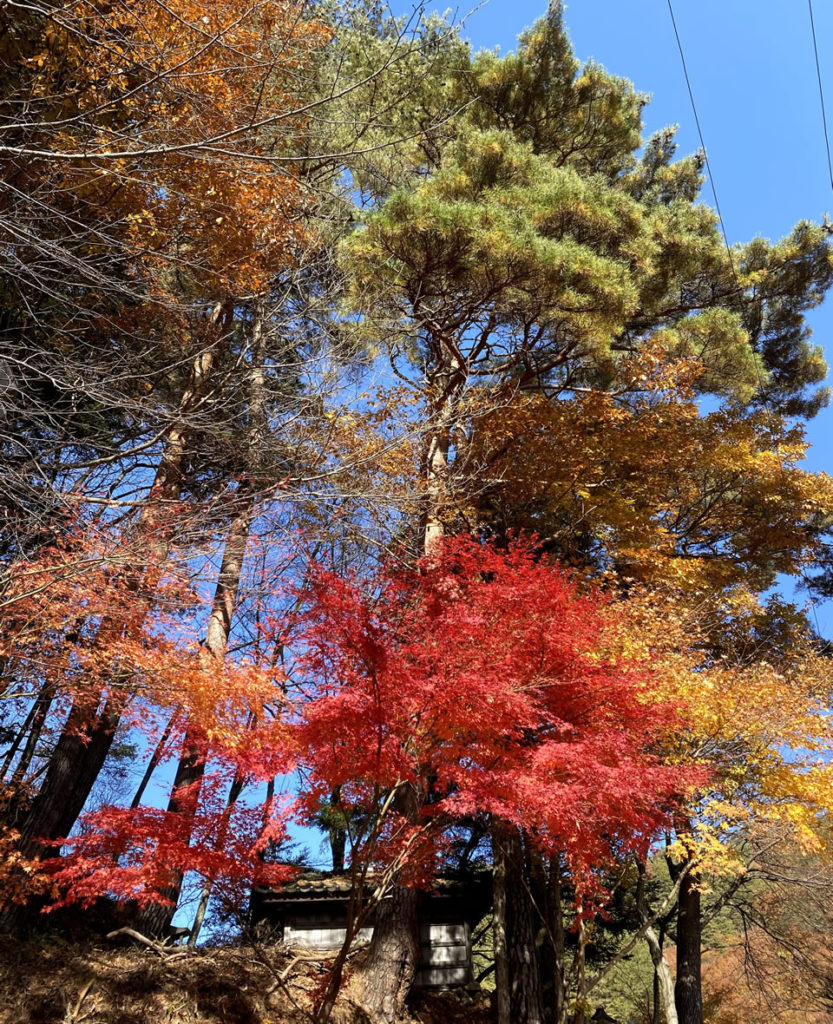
[(758, 373), (702, 141), (821, 93), (804, 577), (801, 574)]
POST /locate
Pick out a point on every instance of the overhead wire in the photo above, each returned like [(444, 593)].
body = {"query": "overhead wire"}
[(821, 93), (700, 134), (814, 601), (804, 578), (802, 575)]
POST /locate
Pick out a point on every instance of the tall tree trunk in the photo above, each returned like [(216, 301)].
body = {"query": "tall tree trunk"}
[(393, 958), (183, 802), (436, 470), (74, 766), (523, 925), (500, 858), (445, 387), (517, 925), (86, 738), (554, 963), (687, 990)]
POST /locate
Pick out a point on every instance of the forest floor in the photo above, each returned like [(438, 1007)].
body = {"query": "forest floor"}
[(53, 981)]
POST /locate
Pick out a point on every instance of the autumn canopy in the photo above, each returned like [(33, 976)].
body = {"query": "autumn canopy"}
[(392, 447)]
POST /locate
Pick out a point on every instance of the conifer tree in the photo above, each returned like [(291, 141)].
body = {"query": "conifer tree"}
[(539, 253)]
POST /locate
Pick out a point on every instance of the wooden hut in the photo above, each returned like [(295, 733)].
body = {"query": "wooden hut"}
[(311, 912)]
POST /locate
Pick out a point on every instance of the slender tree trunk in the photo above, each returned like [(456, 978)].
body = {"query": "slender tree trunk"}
[(156, 918), (35, 721), (687, 990), (155, 758), (40, 710), (337, 833), (581, 975), (499, 922), (22, 733), (86, 739), (656, 999), (664, 1008)]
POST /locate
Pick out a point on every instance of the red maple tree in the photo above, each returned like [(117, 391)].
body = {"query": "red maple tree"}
[(492, 684), (485, 680)]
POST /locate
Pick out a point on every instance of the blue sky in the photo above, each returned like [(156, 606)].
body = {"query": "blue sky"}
[(753, 76)]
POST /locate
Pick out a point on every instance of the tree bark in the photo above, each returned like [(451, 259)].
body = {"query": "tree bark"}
[(499, 923), (86, 739), (445, 387), (523, 924), (74, 766), (393, 958), (688, 997), (664, 1008), (555, 963), (436, 465)]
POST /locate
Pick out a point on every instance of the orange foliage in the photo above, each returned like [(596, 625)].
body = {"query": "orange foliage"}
[(754, 977), (166, 120), (75, 619), (21, 878)]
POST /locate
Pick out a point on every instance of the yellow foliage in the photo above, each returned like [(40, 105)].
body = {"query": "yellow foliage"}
[(755, 716), (696, 502)]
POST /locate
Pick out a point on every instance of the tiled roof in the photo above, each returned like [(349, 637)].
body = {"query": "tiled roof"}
[(326, 885)]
